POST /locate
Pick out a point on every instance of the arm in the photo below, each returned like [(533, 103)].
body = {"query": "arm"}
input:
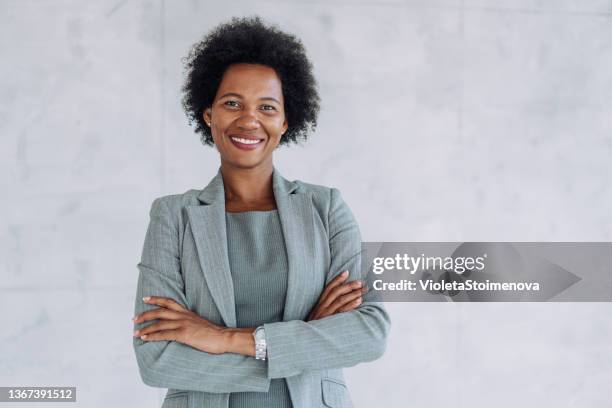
[(169, 364), (341, 340)]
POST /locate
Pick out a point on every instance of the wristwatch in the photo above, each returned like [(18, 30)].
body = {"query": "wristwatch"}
[(260, 343)]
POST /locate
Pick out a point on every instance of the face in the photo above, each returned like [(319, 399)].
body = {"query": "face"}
[(247, 117)]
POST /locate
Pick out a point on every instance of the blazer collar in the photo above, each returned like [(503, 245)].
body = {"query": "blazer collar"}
[(215, 192)]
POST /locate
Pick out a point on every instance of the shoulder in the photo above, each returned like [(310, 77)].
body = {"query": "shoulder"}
[(328, 201), (325, 195), (174, 203), (317, 190), (335, 214)]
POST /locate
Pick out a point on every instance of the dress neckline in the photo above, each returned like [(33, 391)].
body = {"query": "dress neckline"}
[(252, 212)]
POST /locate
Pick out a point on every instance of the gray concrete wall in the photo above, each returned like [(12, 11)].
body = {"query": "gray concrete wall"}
[(457, 120)]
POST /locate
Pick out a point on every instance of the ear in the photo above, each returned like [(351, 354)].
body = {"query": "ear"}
[(285, 126), (207, 115)]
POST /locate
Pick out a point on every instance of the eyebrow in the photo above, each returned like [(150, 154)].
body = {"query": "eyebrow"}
[(265, 98)]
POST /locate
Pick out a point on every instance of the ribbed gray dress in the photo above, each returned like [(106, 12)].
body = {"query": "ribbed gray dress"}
[(258, 264)]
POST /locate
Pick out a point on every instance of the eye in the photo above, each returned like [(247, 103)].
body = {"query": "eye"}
[(230, 102), (268, 106)]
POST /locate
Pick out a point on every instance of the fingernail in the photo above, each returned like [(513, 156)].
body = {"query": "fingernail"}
[(344, 273), (135, 332), (358, 284), (146, 298), (144, 336)]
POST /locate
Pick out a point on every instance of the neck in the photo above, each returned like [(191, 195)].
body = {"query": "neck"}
[(247, 185)]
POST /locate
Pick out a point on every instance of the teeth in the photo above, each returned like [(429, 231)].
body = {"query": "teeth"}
[(245, 141)]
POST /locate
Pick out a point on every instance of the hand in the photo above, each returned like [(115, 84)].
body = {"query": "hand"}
[(180, 324), (338, 297)]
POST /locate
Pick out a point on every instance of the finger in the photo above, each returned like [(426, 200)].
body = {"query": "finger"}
[(159, 326), (339, 291), (315, 314), (335, 282), (343, 300), (159, 313), (350, 306), (169, 335), (168, 303), (329, 310)]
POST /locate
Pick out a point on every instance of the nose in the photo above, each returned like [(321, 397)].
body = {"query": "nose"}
[(248, 121)]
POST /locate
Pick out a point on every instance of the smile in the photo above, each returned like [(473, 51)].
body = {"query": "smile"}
[(245, 144)]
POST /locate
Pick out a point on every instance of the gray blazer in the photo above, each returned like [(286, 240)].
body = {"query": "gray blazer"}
[(185, 258)]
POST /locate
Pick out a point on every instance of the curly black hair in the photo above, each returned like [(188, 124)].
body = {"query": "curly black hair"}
[(249, 40)]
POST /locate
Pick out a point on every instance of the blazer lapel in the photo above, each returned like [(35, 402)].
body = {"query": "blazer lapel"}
[(295, 210), (208, 226)]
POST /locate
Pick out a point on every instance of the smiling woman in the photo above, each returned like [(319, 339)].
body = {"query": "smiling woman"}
[(249, 290), (282, 65)]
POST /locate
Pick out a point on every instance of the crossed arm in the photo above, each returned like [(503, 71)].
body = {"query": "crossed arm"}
[(338, 340)]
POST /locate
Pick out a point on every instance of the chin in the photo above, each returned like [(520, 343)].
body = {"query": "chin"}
[(245, 162)]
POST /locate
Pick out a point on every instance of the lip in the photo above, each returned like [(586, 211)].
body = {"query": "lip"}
[(243, 146)]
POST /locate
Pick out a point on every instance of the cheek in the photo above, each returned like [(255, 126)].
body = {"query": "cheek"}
[(275, 134), (222, 118), (218, 127), (278, 125)]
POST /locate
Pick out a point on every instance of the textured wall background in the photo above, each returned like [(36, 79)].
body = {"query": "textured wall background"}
[(442, 120)]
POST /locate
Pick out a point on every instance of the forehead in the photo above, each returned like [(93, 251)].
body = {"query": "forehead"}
[(251, 80)]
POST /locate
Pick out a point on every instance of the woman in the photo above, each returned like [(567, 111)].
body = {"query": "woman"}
[(242, 300)]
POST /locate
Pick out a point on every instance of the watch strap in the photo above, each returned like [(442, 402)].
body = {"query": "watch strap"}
[(260, 343)]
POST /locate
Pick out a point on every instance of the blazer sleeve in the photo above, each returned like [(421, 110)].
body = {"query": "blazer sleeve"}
[(170, 364), (337, 341)]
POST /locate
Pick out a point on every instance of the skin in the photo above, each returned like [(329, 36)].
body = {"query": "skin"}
[(250, 102)]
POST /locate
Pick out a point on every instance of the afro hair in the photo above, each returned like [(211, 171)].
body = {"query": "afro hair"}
[(249, 40)]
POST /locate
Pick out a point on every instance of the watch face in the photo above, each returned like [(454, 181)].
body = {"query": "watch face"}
[(259, 334)]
